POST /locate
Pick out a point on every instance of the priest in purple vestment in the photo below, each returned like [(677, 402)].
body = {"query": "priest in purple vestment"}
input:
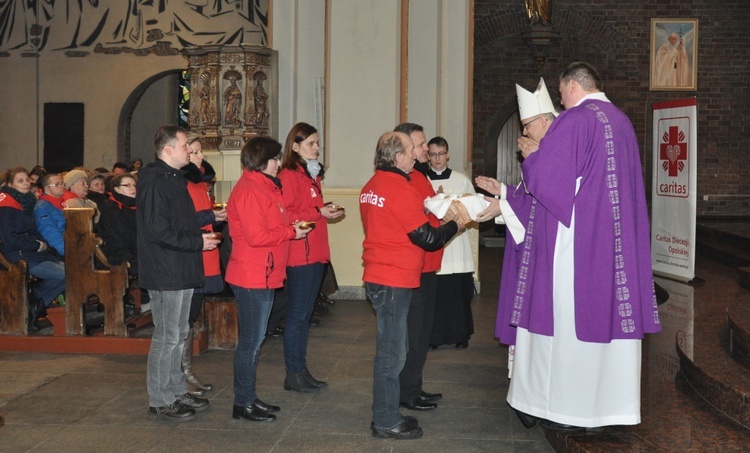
[(577, 291)]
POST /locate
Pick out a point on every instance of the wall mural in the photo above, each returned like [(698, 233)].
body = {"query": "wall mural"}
[(162, 27)]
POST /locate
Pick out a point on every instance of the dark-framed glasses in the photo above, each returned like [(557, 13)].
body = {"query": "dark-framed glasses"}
[(527, 124)]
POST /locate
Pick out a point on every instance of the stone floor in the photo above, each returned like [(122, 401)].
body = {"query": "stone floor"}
[(61, 403)]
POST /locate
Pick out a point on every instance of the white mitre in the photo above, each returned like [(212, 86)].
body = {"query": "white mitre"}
[(533, 104)]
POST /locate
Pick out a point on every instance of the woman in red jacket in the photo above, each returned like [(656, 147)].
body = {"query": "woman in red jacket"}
[(198, 173), (303, 199), (261, 231)]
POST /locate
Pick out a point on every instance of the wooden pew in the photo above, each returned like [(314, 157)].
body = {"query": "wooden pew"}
[(14, 297), (83, 280)]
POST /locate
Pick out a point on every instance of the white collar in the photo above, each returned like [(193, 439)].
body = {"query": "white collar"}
[(598, 96)]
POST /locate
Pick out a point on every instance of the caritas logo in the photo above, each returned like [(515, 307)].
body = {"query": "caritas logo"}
[(672, 179)]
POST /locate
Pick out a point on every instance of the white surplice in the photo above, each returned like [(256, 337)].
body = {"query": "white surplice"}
[(568, 381)]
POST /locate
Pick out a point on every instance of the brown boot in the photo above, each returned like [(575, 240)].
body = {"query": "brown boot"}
[(196, 387)]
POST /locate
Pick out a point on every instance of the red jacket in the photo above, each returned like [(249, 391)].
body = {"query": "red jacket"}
[(391, 209), (303, 200), (199, 193), (419, 181), (261, 230)]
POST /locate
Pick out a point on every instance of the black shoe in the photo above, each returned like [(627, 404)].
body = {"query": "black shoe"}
[(462, 345), (173, 411), (527, 420), (312, 381), (418, 404), (192, 402), (252, 413), (298, 383), (276, 333), (401, 431), (411, 422), (265, 407), (431, 397), (314, 322), (549, 424), (433, 346)]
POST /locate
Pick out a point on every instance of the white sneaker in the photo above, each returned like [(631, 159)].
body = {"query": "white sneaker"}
[(145, 308)]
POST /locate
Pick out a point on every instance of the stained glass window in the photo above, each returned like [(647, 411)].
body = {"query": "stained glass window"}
[(183, 96)]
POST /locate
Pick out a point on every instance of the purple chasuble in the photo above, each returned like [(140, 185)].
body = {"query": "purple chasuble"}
[(614, 293)]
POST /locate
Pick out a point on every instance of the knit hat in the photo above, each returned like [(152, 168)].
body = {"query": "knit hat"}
[(96, 176), (73, 177)]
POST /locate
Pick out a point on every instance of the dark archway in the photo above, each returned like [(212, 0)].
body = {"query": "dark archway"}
[(160, 92)]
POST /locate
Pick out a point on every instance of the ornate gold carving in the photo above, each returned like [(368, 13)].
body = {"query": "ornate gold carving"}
[(232, 99)]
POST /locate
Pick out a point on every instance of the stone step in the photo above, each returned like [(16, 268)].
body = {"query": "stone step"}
[(744, 277), (724, 242), (717, 366)]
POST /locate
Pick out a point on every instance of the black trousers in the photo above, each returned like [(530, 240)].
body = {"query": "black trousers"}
[(419, 327)]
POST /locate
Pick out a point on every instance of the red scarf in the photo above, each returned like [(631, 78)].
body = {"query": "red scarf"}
[(54, 201)]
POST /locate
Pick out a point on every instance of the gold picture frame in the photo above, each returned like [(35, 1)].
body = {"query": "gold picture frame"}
[(674, 55)]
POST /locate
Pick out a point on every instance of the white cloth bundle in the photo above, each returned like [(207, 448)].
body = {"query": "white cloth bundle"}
[(440, 203)]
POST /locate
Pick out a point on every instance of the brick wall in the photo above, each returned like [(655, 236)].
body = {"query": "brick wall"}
[(615, 37)]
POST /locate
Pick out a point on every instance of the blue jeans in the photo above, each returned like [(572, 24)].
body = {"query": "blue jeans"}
[(164, 377), (52, 280), (253, 309), (303, 283), (391, 343)]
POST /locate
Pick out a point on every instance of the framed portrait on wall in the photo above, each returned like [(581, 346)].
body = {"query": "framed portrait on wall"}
[(674, 55)]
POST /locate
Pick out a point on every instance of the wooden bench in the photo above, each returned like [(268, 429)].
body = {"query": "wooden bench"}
[(14, 297), (83, 281)]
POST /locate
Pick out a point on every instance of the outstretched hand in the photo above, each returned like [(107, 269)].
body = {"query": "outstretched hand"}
[(492, 211), (488, 184)]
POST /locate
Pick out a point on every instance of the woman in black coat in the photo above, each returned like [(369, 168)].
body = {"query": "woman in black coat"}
[(117, 228)]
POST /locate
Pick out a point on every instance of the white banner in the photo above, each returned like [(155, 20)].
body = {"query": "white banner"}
[(673, 195)]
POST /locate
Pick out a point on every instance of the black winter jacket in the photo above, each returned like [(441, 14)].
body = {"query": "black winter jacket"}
[(170, 241), (117, 228)]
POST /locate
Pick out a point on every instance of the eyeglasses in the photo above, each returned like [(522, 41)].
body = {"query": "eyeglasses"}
[(527, 124), (278, 157), (57, 184), (440, 154), (127, 185)]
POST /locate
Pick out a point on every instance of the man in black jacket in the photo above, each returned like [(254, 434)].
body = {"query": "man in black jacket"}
[(170, 267)]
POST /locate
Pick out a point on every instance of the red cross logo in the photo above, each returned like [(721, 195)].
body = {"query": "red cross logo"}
[(673, 151)]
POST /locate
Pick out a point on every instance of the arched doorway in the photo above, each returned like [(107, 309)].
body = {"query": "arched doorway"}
[(155, 102)]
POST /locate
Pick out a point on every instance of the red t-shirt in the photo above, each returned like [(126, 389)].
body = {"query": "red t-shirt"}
[(432, 260), (390, 209)]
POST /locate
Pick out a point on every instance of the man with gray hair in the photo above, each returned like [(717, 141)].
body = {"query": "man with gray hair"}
[(397, 233)]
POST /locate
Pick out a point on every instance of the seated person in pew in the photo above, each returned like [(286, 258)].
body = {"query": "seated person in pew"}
[(97, 189), (117, 228), (50, 220), (20, 240), (76, 182)]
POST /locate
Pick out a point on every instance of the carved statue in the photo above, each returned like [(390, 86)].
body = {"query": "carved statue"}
[(539, 12), (260, 97), (232, 100), (205, 96)]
